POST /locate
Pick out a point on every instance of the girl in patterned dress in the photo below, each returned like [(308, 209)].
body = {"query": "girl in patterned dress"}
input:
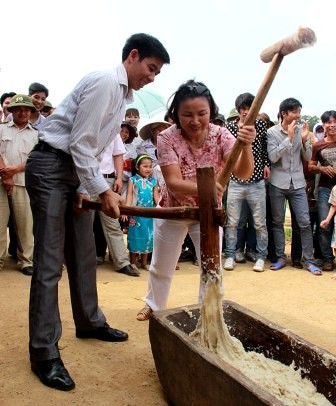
[(142, 191)]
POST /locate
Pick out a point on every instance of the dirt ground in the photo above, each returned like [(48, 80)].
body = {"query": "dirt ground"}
[(124, 373)]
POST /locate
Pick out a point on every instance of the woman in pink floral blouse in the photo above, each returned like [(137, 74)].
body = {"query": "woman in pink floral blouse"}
[(191, 142)]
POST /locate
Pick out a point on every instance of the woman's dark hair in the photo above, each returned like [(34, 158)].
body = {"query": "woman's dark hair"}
[(137, 161), (287, 105), (4, 96), (147, 47), (327, 114), (190, 90)]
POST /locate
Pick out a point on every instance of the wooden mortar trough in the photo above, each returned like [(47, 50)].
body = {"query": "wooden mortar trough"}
[(191, 375)]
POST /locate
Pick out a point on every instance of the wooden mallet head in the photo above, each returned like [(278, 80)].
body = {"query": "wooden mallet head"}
[(304, 37)]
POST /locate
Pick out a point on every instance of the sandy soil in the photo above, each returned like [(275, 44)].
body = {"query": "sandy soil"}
[(124, 373)]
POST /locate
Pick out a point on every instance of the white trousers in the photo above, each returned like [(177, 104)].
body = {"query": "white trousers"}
[(24, 222), (168, 239)]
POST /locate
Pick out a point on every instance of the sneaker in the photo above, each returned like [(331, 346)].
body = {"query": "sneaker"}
[(229, 264), (259, 266), (239, 257)]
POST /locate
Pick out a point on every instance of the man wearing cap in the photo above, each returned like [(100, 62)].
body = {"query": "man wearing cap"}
[(61, 172), (47, 109), (38, 94), (149, 134), (17, 139), (233, 115)]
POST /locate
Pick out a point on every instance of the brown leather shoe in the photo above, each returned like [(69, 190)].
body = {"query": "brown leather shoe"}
[(327, 267)]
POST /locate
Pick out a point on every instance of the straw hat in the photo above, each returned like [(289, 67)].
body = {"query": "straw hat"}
[(146, 131)]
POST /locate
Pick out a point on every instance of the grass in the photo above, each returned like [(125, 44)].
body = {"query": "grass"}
[(288, 233)]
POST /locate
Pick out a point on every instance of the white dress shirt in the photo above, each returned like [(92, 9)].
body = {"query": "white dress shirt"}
[(86, 122), (115, 148)]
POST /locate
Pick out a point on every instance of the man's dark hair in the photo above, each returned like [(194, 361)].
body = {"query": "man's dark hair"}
[(289, 104), (244, 100), (327, 114), (4, 96), (147, 47), (37, 88)]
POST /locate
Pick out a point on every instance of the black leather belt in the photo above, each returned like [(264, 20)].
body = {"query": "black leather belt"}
[(44, 146), (109, 175)]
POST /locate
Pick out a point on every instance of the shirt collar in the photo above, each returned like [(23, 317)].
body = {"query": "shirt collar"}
[(28, 125), (123, 80)]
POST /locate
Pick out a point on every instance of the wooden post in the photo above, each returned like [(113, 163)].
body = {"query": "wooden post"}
[(209, 229)]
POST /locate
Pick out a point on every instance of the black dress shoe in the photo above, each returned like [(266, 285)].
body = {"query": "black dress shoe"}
[(105, 333), (27, 270), (52, 373), (129, 270)]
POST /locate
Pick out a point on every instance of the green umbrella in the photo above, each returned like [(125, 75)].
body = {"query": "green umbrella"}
[(148, 103)]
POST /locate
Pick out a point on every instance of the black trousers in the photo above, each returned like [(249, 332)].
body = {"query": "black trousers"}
[(59, 234)]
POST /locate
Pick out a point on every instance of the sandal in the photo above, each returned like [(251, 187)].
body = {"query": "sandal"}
[(144, 314), (144, 266), (315, 270), (278, 265)]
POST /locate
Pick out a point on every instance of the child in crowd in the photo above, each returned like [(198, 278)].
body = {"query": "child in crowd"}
[(128, 132), (132, 117), (142, 191), (331, 214)]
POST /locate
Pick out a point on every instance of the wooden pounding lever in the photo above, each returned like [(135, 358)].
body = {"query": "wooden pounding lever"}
[(303, 38), (173, 213)]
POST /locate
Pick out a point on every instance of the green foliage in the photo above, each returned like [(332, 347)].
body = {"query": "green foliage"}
[(312, 120)]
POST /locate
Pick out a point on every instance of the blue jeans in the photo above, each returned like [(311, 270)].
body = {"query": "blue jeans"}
[(299, 203), (325, 234), (255, 196)]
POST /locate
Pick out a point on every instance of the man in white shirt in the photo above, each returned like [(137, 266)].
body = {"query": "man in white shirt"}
[(111, 166), (64, 168)]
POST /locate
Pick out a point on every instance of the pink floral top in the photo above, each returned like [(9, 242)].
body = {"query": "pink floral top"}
[(172, 148)]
